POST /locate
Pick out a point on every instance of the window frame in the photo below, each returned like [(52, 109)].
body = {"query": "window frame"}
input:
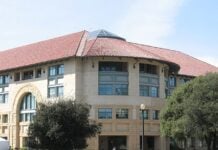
[(107, 113), (112, 80), (122, 113)]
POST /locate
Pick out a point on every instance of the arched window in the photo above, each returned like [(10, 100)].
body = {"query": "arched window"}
[(27, 108)]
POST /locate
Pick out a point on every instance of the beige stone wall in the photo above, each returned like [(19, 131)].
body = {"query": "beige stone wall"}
[(81, 83)]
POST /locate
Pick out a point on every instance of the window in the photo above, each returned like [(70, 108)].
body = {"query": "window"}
[(172, 81), (150, 91), (38, 73), (17, 76), (5, 118), (56, 81), (113, 66), (4, 98), (122, 113), (170, 85), (148, 81), (56, 70), (145, 114), (147, 68), (104, 113), (113, 78), (27, 74), (4, 79), (155, 114), (27, 108)]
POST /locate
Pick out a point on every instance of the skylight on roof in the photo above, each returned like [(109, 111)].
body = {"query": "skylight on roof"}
[(104, 34)]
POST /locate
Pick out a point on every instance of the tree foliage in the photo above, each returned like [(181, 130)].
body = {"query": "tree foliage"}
[(62, 125), (192, 111)]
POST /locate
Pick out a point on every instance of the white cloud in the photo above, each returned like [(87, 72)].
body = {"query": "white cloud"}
[(148, 21), (209, 59)]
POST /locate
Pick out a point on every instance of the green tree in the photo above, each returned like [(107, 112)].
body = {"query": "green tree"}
[(61, 125), (192, 111)]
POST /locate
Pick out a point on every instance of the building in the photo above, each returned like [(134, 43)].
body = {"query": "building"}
[(103, 69)]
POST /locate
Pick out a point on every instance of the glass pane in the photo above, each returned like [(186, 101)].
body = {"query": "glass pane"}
[(104, 113), (121, 78), (52, 92), (6, 98), (121, 89), (172, 81), (113, 66), (155, 114), (105, 89), (61, 69), (52, 71), (2, 98), (144, 90), (60, 91), (106, 78), (154, 91), (1, 80), (6, 79), (122, 113)]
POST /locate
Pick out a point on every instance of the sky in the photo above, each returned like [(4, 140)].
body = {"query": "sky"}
[(190, 26)]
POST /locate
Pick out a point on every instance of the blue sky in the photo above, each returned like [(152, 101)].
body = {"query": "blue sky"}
[(190, 26)]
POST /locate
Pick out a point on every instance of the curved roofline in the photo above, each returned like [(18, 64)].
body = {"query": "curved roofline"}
[(174, 67)]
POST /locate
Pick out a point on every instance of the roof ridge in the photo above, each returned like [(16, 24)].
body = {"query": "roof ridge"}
[(82, 43), (38, 42)]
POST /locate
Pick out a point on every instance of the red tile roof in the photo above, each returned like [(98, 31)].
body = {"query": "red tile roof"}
[(189, 65), (73, 46), (53, 49)]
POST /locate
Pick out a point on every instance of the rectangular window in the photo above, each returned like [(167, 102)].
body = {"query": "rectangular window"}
[(38, 73), (52, 91), (113, 66), (155, 114), (145, 114), (27, 74), (172, 81), (113, 78), (122, 113), (17, 76), (170, 86), (56, 70), (105, 113), (4, 94), (56, 81), (150, 91), (4, 79), (148, 81), (5, 118), (147, 68)]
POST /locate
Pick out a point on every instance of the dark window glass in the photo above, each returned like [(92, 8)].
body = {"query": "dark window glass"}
[(147, 68), (113, 66), (38, 73), (27, 108), (122, 113), (56, 70), (28, 75), (172, 81), (145, 113), (17, 76), (104, 113), (151, 91), (155, 114)]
